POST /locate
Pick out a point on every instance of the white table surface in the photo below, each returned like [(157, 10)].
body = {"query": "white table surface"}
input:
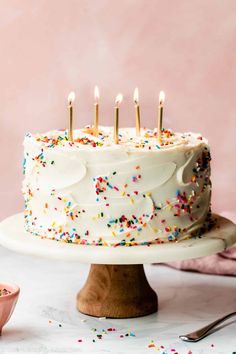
[(48, 289)]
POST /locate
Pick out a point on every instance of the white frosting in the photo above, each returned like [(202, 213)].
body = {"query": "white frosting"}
[(93, 191)]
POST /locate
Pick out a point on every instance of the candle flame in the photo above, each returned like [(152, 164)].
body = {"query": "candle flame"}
[(136, 96), (119, 99), (162, 97), (96, 94), (71, 97)]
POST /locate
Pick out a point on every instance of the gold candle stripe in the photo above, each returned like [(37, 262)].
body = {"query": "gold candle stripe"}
[(159, 123), (116, 126), (160, 116), (119, 99), (96, 115), (70, 129), (96, 110), (71, 98), (137, 111), (137, 114)]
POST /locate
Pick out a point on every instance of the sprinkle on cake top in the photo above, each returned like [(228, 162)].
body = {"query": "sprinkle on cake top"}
[(84, 138)]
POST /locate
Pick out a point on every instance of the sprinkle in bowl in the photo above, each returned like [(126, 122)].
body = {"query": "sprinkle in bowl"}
[(9, 294)]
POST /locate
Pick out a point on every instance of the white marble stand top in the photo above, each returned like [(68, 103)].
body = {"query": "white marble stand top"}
[(14, 237)]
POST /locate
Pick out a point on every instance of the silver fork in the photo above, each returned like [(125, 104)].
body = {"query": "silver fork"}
[(203, 332)]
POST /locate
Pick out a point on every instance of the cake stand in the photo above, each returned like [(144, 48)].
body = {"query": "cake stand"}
[(116, 286)]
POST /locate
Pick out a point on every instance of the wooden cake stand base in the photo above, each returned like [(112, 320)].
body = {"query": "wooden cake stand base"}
[(117, 286), (117, 291)]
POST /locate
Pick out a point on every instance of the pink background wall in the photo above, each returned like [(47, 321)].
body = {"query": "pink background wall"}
[(187, 48)]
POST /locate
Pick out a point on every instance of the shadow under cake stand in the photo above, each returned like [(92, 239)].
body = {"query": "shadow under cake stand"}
[(116, 286)]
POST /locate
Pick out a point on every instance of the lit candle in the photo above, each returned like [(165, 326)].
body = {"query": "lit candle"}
[(119, 99), (160, 115), (96, 111), (137, 111), (71, 99)]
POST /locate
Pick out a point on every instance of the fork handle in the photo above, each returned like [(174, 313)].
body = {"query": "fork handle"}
[(202, 332)]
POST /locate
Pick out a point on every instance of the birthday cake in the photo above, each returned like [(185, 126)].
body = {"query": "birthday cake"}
[(94, 192)]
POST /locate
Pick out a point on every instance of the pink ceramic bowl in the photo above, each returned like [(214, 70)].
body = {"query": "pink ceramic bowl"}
[(8, 303)]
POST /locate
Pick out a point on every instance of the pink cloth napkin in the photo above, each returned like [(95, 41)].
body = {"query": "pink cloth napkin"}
[(223, 263)]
